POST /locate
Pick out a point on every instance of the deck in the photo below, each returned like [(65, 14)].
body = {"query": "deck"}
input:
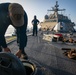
[(48, 55)]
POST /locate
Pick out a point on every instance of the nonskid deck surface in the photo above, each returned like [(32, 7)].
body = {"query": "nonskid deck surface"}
[(48, 56)]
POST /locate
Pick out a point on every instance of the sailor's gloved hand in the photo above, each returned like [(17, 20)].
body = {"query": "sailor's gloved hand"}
[(21, 55), (18, 54), (7, 49)]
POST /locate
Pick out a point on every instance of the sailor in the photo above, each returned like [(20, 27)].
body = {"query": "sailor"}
[(35, 22), (13, 14)]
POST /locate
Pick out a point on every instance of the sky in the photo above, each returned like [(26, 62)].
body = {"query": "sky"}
[(40, 7)]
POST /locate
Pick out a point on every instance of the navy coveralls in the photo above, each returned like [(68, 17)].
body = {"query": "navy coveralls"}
[(35, 23), (5, 22)]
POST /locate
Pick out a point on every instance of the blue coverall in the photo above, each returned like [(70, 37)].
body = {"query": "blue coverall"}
[(5, 21), (35, 23)]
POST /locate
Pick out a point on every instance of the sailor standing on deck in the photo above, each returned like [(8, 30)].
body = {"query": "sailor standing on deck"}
[(35, 22), (13, 14)]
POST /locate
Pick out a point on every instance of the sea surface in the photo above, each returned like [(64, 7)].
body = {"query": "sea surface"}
[(9, 31)]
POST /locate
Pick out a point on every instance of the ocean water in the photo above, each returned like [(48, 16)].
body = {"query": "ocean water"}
[(75, 28), (9, 31)]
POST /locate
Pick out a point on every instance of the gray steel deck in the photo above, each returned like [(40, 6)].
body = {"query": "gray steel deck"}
[(49, 56)]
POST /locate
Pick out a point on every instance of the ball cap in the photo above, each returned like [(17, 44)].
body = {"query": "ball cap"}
[(16, 12)]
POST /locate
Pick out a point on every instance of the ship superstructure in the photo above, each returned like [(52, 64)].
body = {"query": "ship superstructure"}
[(50, 21)]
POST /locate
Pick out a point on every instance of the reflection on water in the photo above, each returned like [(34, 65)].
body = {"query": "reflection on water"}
[(9, 31)]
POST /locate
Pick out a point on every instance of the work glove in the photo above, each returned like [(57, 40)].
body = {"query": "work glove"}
[(7, 49)]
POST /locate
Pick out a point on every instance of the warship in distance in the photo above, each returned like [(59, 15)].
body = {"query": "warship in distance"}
[(57, 22)]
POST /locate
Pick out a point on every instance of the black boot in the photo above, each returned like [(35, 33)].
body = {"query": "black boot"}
[(0, 49)]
